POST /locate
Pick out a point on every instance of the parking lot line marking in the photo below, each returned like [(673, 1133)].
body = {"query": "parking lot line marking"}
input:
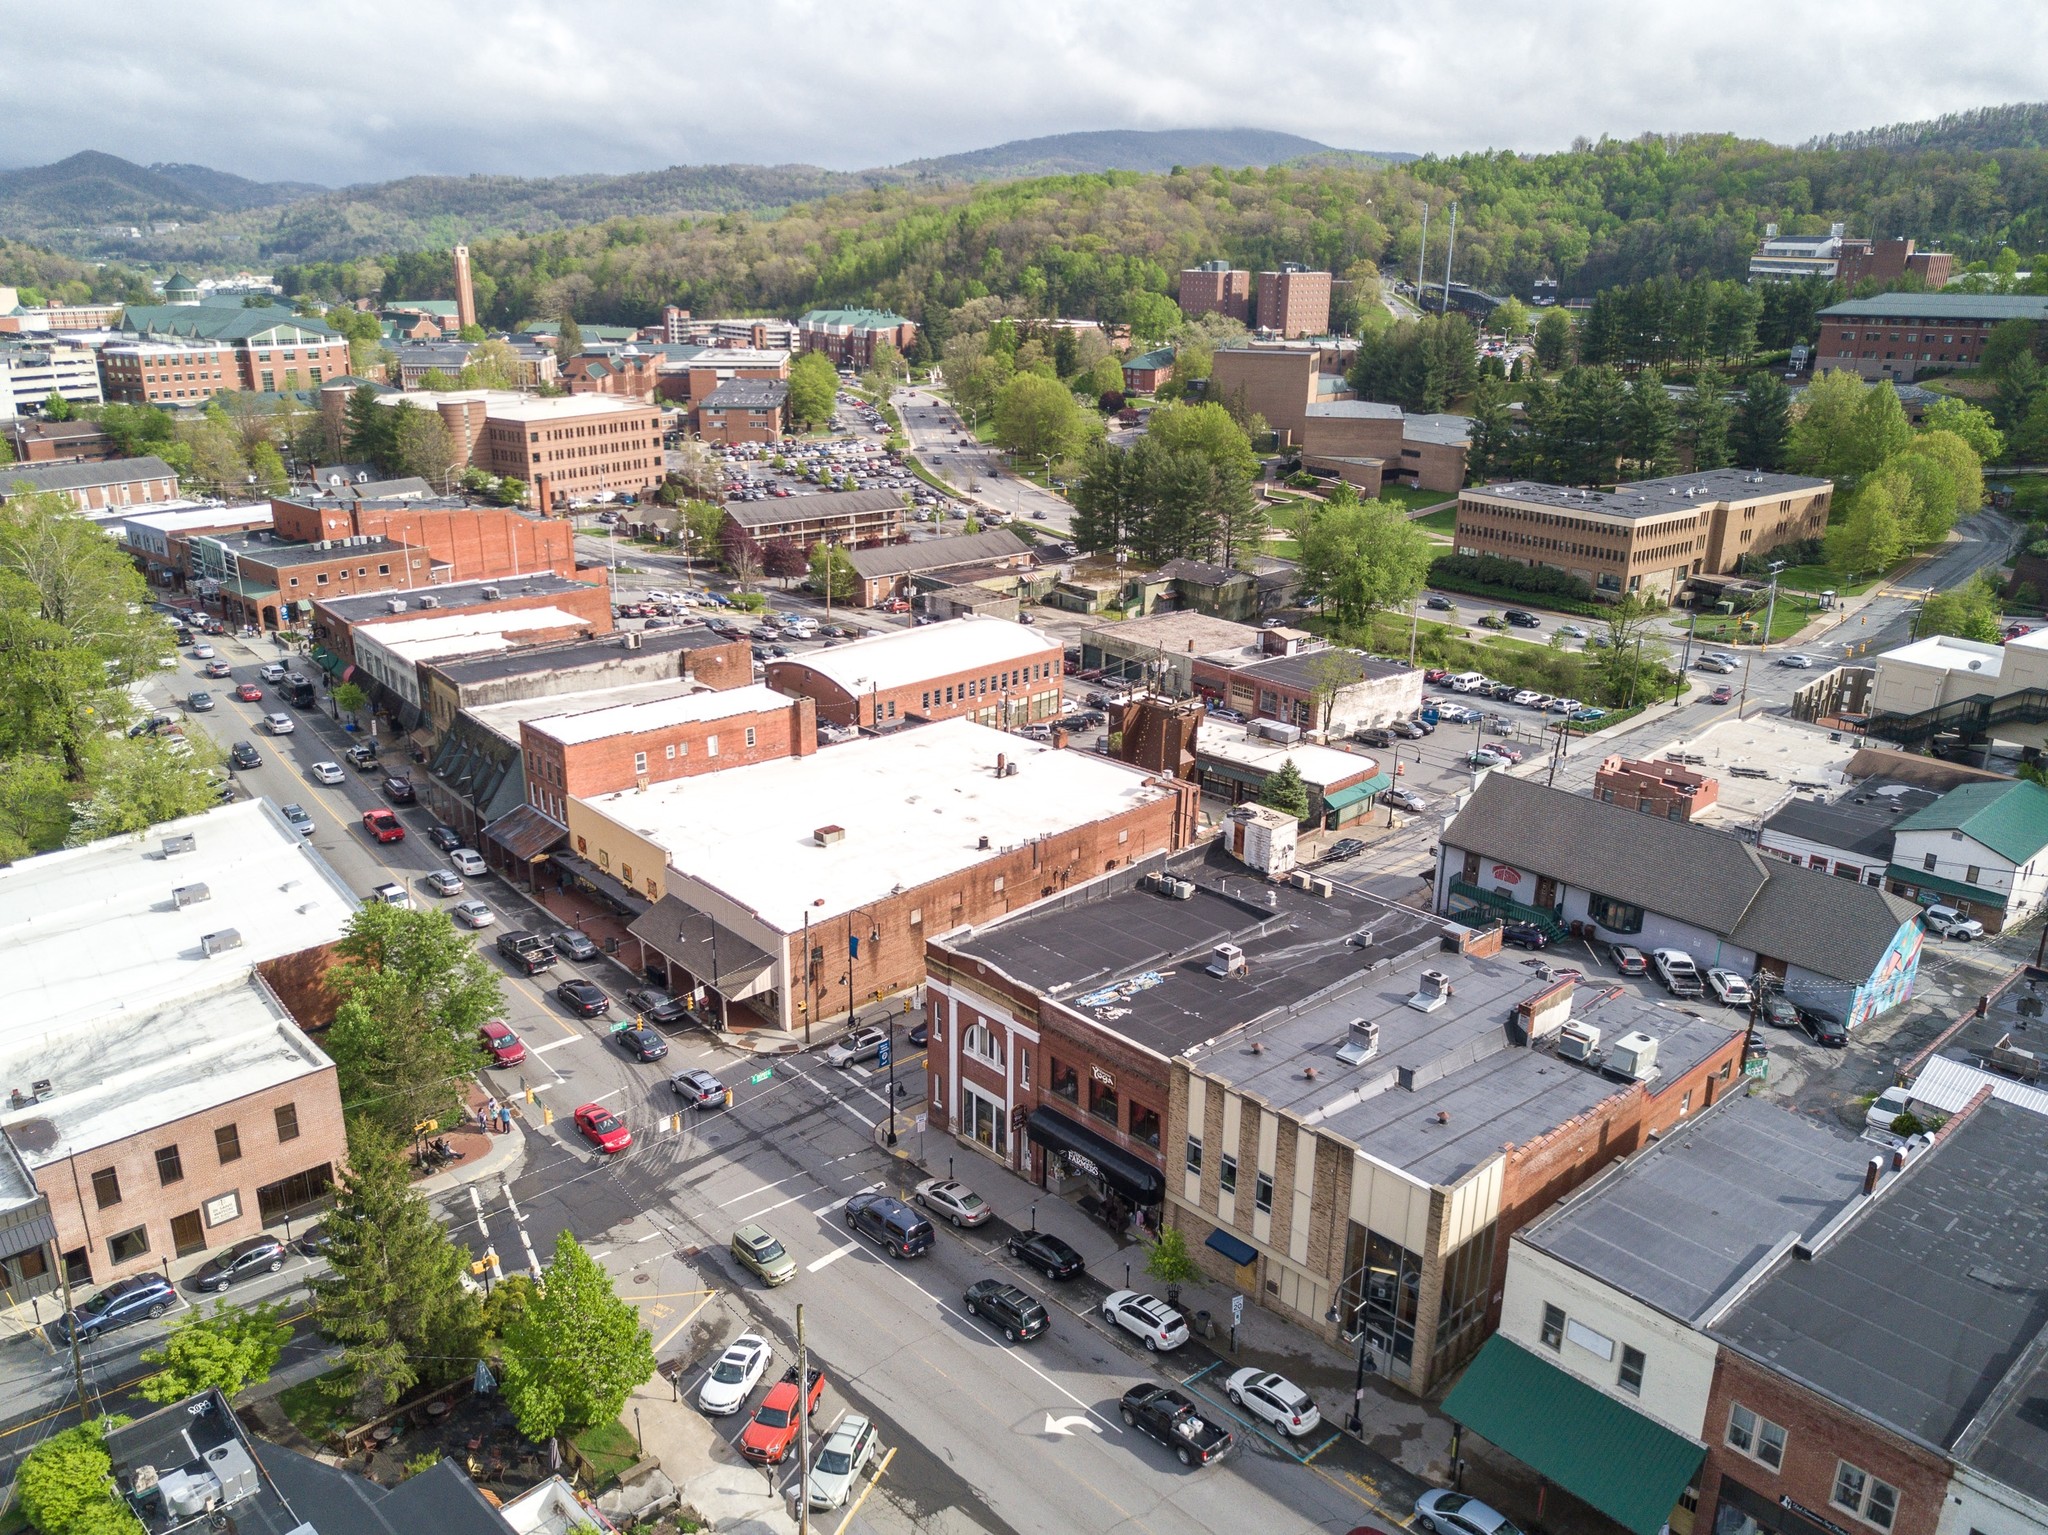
[(831, 1257), (873, 1482)]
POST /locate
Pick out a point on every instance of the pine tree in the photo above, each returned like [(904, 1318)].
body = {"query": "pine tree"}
[(1651, 426), (1284, 790), (1706, 419), (1763, 422)]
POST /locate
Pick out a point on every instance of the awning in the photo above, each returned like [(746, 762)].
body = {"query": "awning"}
[(526, 835), (1631, 1469), (1934, 884), (328, 661), (1123, 1172), (620, 895), (710, 951), (1235, 1248), (1345, 798)]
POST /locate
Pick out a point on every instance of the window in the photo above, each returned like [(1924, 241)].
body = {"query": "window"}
[(227, 1140), (1553, 1327), (1024, 1069), (1262, 1193), (127, 1246), (1065, 1082), (1471, 873), (1970, 873), (1615, 916), (982, 1044), (639, 762), (1194, 1155), (287, 1122), (750, 735), (1631, 1377), (170, 1168), (1102, 1100), (1144, 1124), (1864, 1495), (106, 1187), (711, 746), (1927, 863), (1758, 1438)]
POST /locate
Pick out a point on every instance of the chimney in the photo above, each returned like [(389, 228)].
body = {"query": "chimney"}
[(1001, 763), (827, 835), (1059, 740), (1871, 1174)]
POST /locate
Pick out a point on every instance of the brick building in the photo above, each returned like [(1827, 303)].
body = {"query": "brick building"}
[(606, 749), (627, 372), (804, 888), (1649, 536), (690, 653), (1148, 370), (59, 442), (1321, 689), (465, 542), (985, 669), (264, 350), (119, 1164), (853, 519), (166, 372), (1233, 762), (259, 579), (341, 618), (160, 542), (1667, 789), (679, 327), (1294, 301), (744, 410), (15, 319), (1300, 388), (849, 336), (389, 656), (1216, 287), (101, 485), (1896, 335), (891, 571), (690, 372)]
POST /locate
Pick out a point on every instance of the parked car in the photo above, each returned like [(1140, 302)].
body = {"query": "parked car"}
[(767, 1259), (1887, 1107), (271, 671), (328, 773), (1340, 850), (231, 1265), (848, 1450), (505, 1047), (1050, 1255), (603, 1129), (362, 756), (1675, 969), (1273, 1399), (1824, 1030), (1163, 1413), (1948, 922), (279, 724), (651, 1004), (952, 1201), (1780, 1013), (890, 1224), (700, 1089), (1729, 988), (400, 791), (642, 1044), (1441, 1512), (862, 1044), (120, 1303), (297, 818), (446, 838), (1485, 757), (529, 952), (1405, 799), (1373, 737), (730, 1381), (383, 825), (1524, 935), (243, 755), (1017, 1313), (393, 895), (1147, 1318), (1628, 959), (443, 881), (578, 946), (767, 1439), (468, 861), (583, 998), (314, 1241)]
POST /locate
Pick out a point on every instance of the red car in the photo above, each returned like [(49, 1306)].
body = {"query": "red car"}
[(505, 1046), (1723, 694), (768, 1438), (249, 693), (603, 1129), (383, 825)]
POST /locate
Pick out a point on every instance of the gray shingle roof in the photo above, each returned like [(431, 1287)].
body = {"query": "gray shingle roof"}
[(1833, 927), (936, 553), (1941, 306), (747, 394), (116, 471), (840, 503)]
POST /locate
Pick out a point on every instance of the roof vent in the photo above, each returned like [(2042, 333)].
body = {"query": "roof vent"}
[(1225, 961), (1362, 1044), (631, 639), (220, 942), (184, 842), (982, 844), (190, 895), (1578, 1042), (827, 835), (488, 593)]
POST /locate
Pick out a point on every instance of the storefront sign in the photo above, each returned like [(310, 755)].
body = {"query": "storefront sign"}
[(1102, 1076), (1081, 1164), (1501, 871), (224, 1208)]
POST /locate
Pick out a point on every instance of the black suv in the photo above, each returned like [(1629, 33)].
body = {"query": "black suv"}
[(243, 755), (890, 1224), (231, 1265), (1520, 619), (1019, 1315), (529, 951), (122, 1302)]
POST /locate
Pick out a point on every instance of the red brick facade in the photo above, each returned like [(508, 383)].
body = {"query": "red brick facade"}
[(474, 543), (1656, 788), (1014, 693), (591, 604), (557, 770), (1216, 290), (1294, 302)]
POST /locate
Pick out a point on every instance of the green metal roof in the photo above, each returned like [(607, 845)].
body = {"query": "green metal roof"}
[(1601, 1452), (2009, 818), (1921, 880), (1345, 798), (212, 322), (1158, 357), (852, 319)]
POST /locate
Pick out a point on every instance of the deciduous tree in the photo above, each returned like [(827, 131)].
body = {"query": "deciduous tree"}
[(1357, 557), (1971, 611), (66, 1484), (230, 1350), (813, 389), (575, 1352), (831, 570)]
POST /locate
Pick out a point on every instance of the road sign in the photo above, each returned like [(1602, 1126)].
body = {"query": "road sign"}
[(917, 1124), (761, 1076), (882, 1055), (1236, 1310)]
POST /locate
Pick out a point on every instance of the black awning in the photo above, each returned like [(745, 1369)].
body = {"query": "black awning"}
[(1123, 1172)]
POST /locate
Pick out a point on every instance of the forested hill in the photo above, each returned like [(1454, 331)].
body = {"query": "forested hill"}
[(2021, 125)]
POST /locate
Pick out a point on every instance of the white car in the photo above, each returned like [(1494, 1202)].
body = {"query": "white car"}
[(1572, 631), (280, 724), (393, 895), (1274, 1399), (468, 860), (473, 914), (1405, 799), (1526, 697), (271, 671), (954, 1201), (1147, 1318), (1796, 662), (202, 652), (1887, 1107), (327, 773), (860, 1045), (845, 1454), (1730, 988), (738, 1371)]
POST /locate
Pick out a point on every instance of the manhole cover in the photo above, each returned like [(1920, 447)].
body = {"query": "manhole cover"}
[(640, 1278)]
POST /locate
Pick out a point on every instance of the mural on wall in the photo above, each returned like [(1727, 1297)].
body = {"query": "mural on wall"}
[(1893, 981)]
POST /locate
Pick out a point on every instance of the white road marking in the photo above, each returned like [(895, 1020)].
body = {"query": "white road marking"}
[(831, 1257), (840, 1202), (557, 1044)]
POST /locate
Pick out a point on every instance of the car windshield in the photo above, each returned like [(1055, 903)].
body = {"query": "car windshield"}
[(775, 1417), (769, 1250), (96, 1305), (730, 1372), (836, 1462), (603, 1123)]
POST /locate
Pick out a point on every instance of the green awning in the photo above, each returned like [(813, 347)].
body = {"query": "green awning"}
[(1601, 1452), (1922, 880), (1344, 799), (328, 661)]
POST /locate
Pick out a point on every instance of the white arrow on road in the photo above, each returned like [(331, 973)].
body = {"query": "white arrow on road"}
[(1065, 1427)]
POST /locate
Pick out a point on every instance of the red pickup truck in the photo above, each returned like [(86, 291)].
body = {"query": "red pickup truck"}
[(383, 825), (768, 1438)]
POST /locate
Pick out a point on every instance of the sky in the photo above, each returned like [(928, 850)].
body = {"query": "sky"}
[(366, 90)]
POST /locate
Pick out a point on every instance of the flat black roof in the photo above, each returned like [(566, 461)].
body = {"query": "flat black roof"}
[(276, 553), (598, 650), (179, 1439), (459, 594), (1301, 669), (1859, 820), (1656, 498)]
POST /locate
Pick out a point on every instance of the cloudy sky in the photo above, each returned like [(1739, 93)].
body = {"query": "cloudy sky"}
[(358, 90)]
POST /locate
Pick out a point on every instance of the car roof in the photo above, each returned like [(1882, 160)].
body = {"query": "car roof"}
[(753, 1234)]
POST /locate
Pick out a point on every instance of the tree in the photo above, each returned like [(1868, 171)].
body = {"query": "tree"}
[(1623, 661), (1105, 499), (420, 444), (1511, 318), (1553, 340), (1036, 417), (493, 365), (1207, 429), (1847, 429), (1974, 424), (1357, 557), (784, 559), (1105, 378), (1169, 1261), (1590, 425), (437, 381), (350, 699), (1949, 478), (2009, 341), (1330, 671), (703, 522), (813, 389), (228, 1351), (1705, 420), (1651, 424), (267, 465), (370, 432), (1762, 422), (1874, 533), (832, 572), (1971, 611), (1284, 790), (575, 1352), (394, 1298), (66, 1484), (57, 408), (570, 342)]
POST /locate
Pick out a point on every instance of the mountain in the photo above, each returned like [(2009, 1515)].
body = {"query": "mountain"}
[(92, 188), (2020, 125), (1066, 154)]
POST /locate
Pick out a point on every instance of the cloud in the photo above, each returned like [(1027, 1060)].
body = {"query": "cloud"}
[(373, 89)]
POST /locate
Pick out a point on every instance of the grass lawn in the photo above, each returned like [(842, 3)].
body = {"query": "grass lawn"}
[(608, 1449), (1410, 499), (313, 1411), (1445, 522)]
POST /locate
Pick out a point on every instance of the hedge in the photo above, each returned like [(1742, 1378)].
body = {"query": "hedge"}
[(1487, 575)]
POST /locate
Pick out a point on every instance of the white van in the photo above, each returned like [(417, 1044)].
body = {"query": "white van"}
[(1466, 682)]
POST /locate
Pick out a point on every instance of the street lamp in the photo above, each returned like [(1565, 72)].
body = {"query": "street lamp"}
[(1355, 1421)]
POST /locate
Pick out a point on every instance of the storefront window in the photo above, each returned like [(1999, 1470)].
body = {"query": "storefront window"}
[(1380, 1297), (1144, 1124), (1065, 1082), (1102, 1101), (1461, 1310), (1615, 916), (984, 1120)]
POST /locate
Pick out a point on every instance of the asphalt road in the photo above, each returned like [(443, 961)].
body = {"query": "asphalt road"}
[(948, 450)]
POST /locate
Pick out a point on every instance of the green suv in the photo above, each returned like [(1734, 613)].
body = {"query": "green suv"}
[(757, 1250)]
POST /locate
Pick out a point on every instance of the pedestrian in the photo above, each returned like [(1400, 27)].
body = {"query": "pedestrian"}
[(505, 1117), (483, 1117)]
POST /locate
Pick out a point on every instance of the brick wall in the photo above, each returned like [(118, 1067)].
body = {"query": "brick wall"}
[(591, 604), (1277, 385), (585, 768), (1294, 303), (1033, 693)]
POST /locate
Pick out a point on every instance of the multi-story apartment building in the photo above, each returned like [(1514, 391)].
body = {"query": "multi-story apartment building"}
[(849, 336), (15, 319), (744, 410), (853, 519), (1649, 536), (1294, 301), (59, 442), (1898, 335), (1216, 287), (100, 486), (166, 372)]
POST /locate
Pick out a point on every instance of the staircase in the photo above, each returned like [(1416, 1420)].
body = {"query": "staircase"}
[(1511, 910)]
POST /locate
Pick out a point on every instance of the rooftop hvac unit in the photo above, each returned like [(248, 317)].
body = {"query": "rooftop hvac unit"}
[(827, 835), (184, 842), (1432, 991), (631, 639), (1226, 960), (220, 942), (1578, 1041), (394, 604), (488, 593), (1362, 1044), (228, 1476), (430, 602), (190, 895), (1634, 1056)]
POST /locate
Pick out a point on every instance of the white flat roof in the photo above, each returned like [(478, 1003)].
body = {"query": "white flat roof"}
[(566, 407), (1945, 652), (177, 519), (505, 718), (574, 727), (463, 633), (904, 656), (1317, 764), (914, 805)]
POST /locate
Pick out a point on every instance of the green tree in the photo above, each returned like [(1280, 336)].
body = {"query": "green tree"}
[(813, 389), (1510, 319), (1284, 790), (438, 381), (1358, 557), (1169, 1261), (1106, 377), (1208, 429), (1105, 500), (1950, 481), (1971, 611), (370, 433), (570, 341), (394, 1298), (1705, 421), (1626, 661), (470, 333), (493, 365), (832, 571), (1553, 340), (420, 445), (66, 1484), (1036, 418), (704, 522), (267, 464), (1973, 423), (2009, 341), (1651, 424), (1877, 527), (576, 1351), (231, 1350), (1590, 426), (350, 699), (57, 408), (1763, 422)]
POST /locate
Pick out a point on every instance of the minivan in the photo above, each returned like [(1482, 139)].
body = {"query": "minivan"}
[(890, 1224), (1468, 682)]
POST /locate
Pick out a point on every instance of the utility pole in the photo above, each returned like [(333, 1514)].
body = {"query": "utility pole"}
[(77, 1363), (1685, 661), (803, 1429), (1450, 251), (892, 1077), (1422, 261)]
